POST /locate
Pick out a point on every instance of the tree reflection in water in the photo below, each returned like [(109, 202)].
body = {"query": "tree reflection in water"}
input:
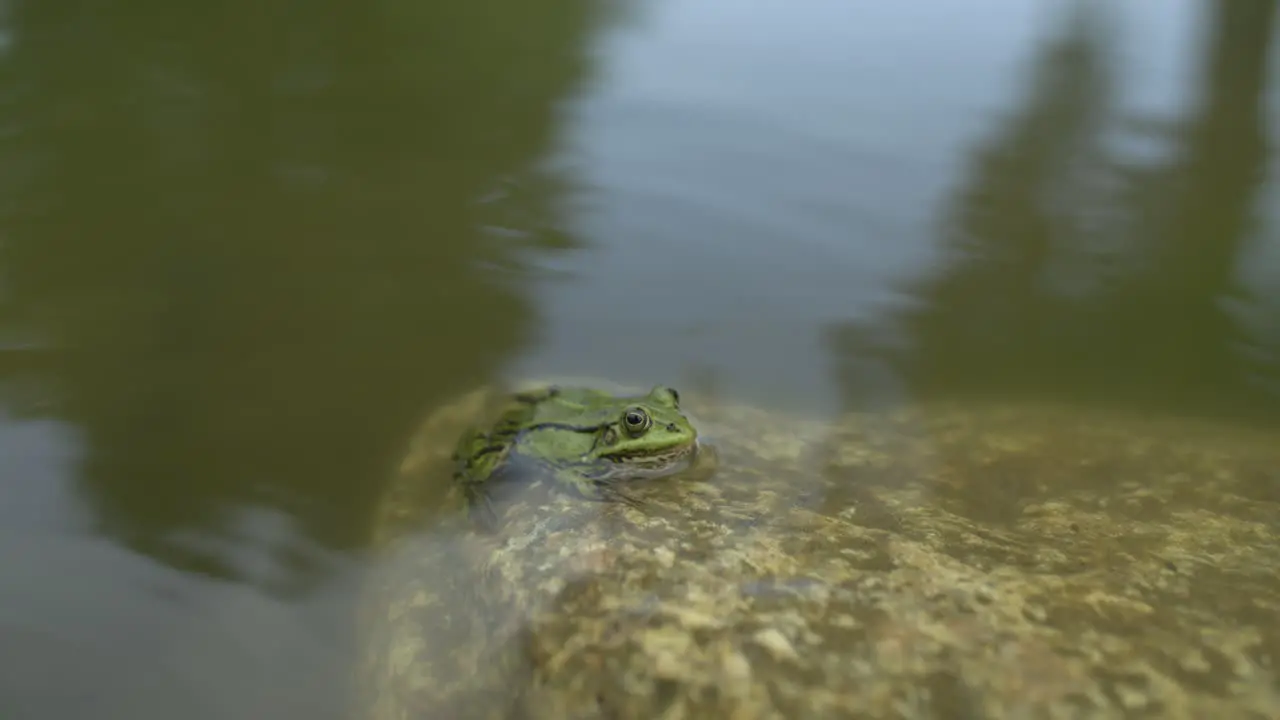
[(1075, 269), (248, 238)]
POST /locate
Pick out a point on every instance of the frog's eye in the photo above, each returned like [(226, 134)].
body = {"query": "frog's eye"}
[(636, 420)]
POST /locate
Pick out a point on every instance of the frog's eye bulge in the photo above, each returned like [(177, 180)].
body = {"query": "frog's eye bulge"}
[(665, 395), (636, 421)]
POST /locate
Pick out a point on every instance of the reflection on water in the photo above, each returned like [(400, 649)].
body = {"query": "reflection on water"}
[(233, 263), (1077, 269), (244, 246)]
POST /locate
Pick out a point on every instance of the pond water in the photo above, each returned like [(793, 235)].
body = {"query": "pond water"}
[(244, 248)]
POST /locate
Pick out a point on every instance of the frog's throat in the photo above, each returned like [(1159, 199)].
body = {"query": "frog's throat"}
[(645, 464)]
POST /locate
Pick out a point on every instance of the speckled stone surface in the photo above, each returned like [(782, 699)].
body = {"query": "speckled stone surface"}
[(957, 561)]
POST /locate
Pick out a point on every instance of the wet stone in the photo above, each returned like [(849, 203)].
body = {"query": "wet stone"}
[(940, 561)]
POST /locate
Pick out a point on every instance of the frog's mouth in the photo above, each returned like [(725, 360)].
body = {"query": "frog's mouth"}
[(651, 464)]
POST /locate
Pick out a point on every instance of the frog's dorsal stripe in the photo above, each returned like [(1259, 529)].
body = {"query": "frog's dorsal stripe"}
[(565, 426), (501, 443), (486, 450)]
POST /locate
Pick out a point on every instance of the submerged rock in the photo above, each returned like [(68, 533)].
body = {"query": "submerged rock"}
[(953, 561)]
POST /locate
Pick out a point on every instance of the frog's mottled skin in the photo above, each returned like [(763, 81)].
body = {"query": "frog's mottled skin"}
[(943, 561), (585, 440)]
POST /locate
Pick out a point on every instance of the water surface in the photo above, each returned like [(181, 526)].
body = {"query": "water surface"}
[(244, 247)]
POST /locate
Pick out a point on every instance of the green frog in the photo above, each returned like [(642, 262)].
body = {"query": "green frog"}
[(585, 440)]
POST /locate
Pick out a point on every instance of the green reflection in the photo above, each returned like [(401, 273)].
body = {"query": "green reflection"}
[(1078, 269), (250, 234)]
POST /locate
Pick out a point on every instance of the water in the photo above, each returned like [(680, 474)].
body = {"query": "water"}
[(243, 248)]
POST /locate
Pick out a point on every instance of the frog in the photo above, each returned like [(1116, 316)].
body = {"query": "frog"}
[(584, 440), (930, 559)]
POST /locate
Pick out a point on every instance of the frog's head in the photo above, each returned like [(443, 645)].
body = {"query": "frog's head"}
[(650, 437)]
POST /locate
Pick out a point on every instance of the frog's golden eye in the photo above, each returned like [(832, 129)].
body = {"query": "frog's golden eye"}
[(636, 420)]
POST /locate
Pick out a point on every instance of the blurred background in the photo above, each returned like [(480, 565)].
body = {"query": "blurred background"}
[(244, 246)]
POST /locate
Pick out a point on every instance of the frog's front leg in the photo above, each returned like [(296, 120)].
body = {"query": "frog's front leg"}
[(596, 489), (480, 507), (704, 465)]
